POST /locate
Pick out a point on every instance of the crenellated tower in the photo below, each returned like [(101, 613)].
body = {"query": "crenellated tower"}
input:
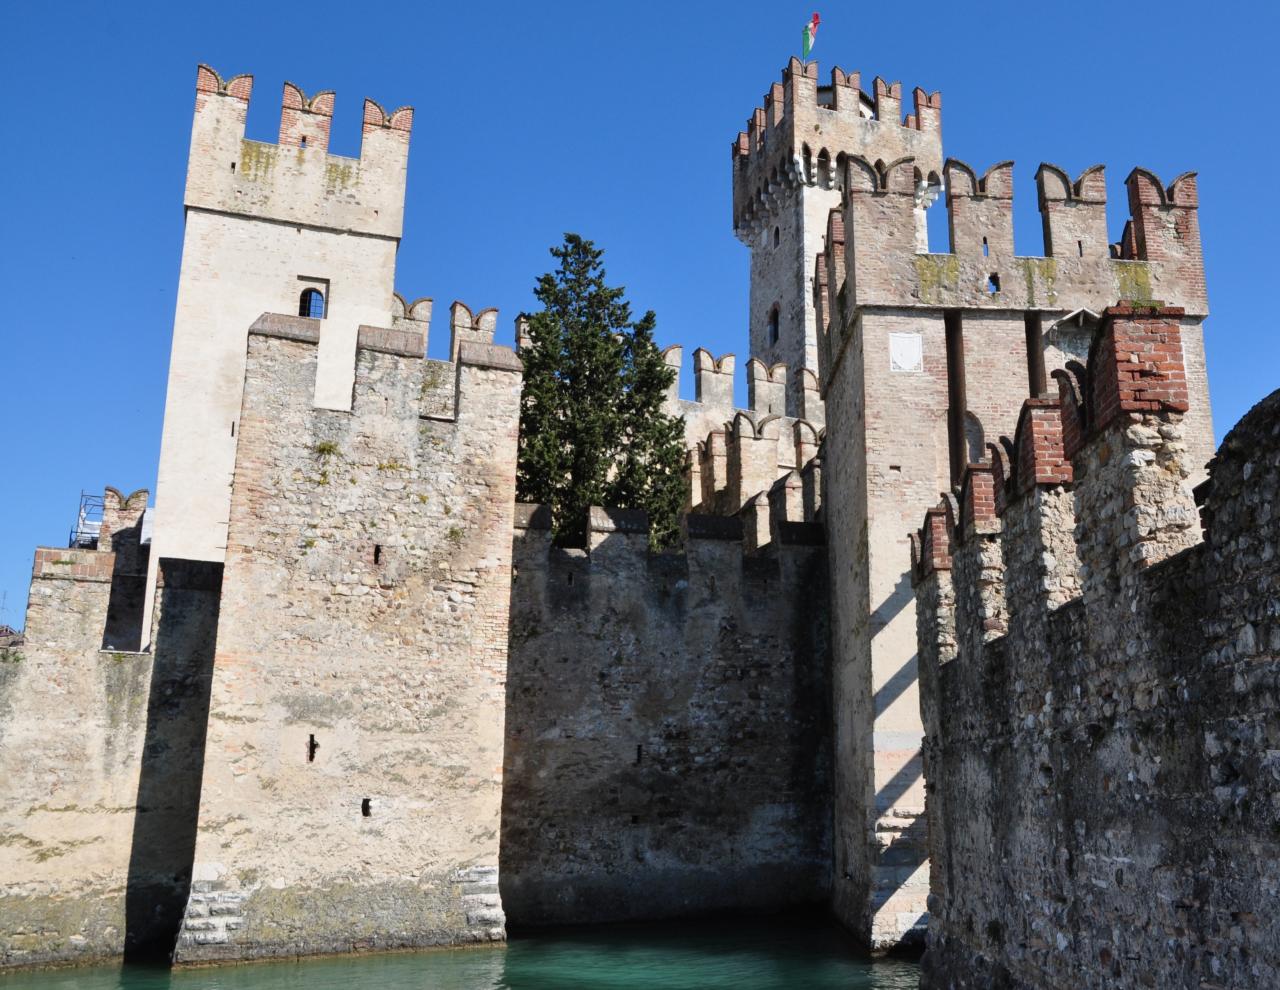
[(919, 357), (788, 172), (270, 228)]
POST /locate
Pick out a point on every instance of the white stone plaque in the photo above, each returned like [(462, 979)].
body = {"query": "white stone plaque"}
[(906, 352)]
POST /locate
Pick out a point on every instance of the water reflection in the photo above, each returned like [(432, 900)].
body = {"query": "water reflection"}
[(742, 955)]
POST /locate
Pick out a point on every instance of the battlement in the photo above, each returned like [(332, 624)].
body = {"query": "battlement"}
[(296, 180), (424, 388), (735, 454), (1112, 438), (801, 134), (1157, 261), (1093, 676), (763, 524)]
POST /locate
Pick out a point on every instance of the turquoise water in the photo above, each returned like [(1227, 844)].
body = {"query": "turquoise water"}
[(752, 955)]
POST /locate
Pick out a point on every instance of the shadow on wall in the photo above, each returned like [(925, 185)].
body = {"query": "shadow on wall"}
[(164, 830)]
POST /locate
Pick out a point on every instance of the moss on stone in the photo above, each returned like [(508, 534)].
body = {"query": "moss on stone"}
[(1040, 272), (257, 160), (938, 275), (338, 174), (1133, 281)]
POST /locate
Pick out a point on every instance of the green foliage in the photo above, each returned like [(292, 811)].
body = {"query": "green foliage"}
[(325, 448), (592, 429)]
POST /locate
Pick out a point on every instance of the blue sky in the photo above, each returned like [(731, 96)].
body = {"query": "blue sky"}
[(532, 119)]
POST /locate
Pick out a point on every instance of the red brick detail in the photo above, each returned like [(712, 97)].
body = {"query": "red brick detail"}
[(933, 543), (1136, 365), (73, 565), (208, 81), (398, 120), (1040, 456), (1166, 225), (928, 115), (977, 498), (888, 100)]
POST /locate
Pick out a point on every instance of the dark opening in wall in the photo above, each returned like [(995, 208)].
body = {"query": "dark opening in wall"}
[(1080, 247), (311, 304), (303, 144), (233, 427), (312, 746), (1036, 379), (957, 403), (639, 754), (366, 807), (993, 284), (377, 553), (774, 319), (986, 251), (233, 166), (777, 237)]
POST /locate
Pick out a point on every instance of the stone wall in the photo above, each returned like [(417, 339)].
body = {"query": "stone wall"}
[(926, 358), (264, 222), (667, 745), (352, 790), (1099, 690), (100, 755)]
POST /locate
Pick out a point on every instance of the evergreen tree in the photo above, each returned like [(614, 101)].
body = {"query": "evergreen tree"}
[(592, 429)]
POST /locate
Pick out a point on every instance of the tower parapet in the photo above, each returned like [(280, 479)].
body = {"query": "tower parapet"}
[(296, 180), (276, 228), (804, 129), (788, 173)]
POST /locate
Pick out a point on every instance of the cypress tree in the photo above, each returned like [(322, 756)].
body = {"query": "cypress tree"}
[(592, 429)]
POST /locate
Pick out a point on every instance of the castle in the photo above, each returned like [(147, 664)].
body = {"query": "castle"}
[(337, 691)]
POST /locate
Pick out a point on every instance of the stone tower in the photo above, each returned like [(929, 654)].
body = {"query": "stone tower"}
[(785, 182), (921, 358), (266, 225)]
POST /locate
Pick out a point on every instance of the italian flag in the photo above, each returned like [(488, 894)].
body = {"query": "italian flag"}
[(810, 35)]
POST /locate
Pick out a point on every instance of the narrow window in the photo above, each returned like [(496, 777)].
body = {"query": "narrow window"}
[(311, 304), (777, 237), (1036, 378), (993, 284), (366, 808), (773, 325), (233, 427), (233, 166), (639, 754), (985, 249), (377, 553), (312, 746), (304, 143), (1080, 247)]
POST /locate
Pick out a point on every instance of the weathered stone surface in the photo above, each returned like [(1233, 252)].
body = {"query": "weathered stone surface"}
[(355, 733), (100, 755), (1101, 776), (667, 727)]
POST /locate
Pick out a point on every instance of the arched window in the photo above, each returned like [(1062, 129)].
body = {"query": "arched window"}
[(975, 441), (311, 303), (773, 325)]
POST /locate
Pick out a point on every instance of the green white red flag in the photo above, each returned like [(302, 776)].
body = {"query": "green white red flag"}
[(810, 35)]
